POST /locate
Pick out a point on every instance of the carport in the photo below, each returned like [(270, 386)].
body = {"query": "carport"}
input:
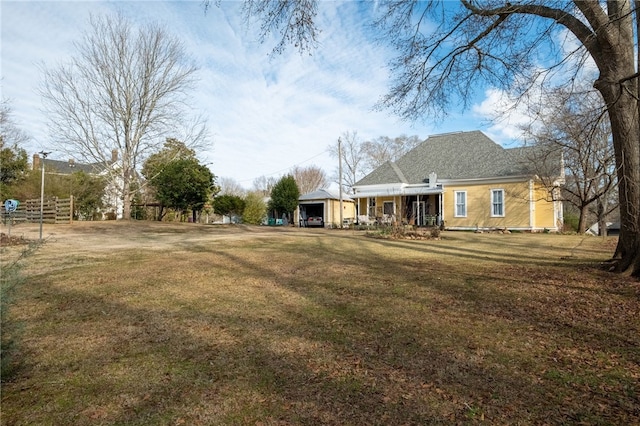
[(322, 208)]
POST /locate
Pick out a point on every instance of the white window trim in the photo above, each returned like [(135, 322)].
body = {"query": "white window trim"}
[(493, 202), (455, 204)]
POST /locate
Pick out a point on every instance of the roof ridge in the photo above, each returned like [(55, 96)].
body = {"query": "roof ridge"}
[(459, 132), (396, 169)]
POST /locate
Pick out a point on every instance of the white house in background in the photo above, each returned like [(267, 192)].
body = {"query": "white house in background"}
[(613, 228), (112, 198)]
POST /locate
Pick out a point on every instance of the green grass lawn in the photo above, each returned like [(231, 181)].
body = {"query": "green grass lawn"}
[(322, 327)]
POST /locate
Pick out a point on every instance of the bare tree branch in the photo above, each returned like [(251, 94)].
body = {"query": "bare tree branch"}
[(124, 92), (309, 178)]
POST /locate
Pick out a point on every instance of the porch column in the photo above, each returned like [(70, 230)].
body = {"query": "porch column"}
[(396, 207)]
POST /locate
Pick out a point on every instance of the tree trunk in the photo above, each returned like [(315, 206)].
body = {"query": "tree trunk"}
[(618, 84), (126, 195), (126, 206), (161, 213), (602, 222), (625, 128), (582, 219)]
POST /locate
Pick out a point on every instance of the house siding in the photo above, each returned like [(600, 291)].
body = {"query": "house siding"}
[(348, 211), (479, 206), (528, 208), (545, 210)]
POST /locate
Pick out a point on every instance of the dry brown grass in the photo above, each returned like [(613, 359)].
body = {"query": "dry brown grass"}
[(184, 324)]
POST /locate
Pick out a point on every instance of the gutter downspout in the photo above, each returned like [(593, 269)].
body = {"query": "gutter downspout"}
[(532, 207)]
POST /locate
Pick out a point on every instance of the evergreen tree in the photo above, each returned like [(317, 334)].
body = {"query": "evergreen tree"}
[(284, 197)]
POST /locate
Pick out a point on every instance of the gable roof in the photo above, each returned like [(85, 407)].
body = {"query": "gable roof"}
[(463, 155)]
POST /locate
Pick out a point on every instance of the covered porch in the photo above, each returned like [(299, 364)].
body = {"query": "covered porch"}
[(409, 206)]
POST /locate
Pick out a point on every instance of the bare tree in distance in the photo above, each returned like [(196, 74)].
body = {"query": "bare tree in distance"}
[(124, 92), (230, 186), (575, 125), (353, 158), (264, 185), (362, 157), (10, 133), (309, 178), (446, 51), (383, 148)]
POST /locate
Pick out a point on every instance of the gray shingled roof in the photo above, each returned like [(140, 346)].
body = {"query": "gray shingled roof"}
[(463, 155), (66, 167)]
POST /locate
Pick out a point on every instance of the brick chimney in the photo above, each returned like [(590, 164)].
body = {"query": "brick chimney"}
[(114, 155), (36, 162)]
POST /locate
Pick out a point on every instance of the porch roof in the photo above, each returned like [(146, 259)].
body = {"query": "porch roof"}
[(402, 190)]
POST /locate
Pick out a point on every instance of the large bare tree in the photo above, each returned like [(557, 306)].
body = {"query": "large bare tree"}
[(120, 96), (575, 125), (445, 49)]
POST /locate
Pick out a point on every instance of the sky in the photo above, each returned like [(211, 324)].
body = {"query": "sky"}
[(265, 114)]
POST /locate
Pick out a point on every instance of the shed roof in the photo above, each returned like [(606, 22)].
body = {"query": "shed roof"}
[(322, 194)]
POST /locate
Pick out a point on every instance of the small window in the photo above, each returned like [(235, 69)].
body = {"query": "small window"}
[(461, 203), (497, 202), (388, 207)]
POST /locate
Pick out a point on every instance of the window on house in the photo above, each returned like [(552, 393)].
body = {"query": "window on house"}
[(388, 207), (497, 202), (461, 203), (371, 207)]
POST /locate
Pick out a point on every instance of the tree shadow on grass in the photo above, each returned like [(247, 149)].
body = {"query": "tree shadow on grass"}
[(296, 341)]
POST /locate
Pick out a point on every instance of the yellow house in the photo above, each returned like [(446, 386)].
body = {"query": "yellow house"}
[(462, 181)]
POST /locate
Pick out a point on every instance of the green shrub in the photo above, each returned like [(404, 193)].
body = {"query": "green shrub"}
[(254, 209)]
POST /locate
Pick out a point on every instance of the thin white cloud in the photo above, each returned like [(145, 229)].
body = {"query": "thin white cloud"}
[(265, 114)]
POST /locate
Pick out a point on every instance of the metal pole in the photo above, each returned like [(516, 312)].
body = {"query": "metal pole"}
[(44, 155), (72, 164)]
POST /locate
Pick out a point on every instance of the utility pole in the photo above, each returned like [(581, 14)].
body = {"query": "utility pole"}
[(44, 155), (340, 178)]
